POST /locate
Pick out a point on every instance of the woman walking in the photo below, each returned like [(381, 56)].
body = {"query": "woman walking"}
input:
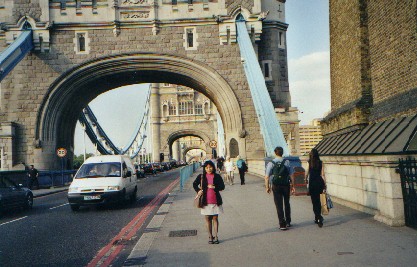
[(230, 170), (210, 184), (316, 184)]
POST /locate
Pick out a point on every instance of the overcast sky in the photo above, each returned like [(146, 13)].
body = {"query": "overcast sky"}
[(309, 77)]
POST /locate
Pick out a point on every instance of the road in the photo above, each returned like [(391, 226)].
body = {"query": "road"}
[(52, 235)]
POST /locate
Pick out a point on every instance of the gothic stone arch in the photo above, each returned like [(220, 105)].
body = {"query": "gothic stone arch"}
[(73, 90)]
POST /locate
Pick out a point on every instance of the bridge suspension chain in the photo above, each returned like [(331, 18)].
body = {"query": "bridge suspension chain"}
[(103, 142)]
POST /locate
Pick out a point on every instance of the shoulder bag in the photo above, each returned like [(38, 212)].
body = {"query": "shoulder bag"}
[(198, 200)]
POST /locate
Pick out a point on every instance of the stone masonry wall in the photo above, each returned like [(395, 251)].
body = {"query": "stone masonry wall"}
[(27, 85)]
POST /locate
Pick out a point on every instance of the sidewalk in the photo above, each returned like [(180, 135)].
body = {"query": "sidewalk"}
[(249, 234), (43, 192)]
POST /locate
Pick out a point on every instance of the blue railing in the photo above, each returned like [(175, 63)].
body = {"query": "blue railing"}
[(186, 172), (46, 179), (13, 54)]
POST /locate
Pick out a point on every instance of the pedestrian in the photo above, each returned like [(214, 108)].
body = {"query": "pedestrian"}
[(210, 184), (316, 184), (279, 177), (33, 177), (220, 162), (230, 170), (243, 168)]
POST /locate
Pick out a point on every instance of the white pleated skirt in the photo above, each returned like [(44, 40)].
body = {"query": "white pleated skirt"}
[(212, 209)]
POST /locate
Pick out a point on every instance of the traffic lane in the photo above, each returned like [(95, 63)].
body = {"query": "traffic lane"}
[(61, 237)]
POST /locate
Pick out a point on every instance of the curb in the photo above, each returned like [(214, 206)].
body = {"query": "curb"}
[(49, 193)]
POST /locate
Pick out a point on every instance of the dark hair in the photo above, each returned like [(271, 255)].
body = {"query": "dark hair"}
[(208, 162), (314, 159), (279, 151)]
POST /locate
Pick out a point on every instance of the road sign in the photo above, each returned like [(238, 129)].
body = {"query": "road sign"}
[(61, 152), (213, 144)]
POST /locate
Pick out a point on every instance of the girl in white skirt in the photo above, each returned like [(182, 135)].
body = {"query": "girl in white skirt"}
[(210, 184)]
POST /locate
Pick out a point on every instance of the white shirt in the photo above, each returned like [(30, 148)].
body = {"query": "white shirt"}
[(229, 166)]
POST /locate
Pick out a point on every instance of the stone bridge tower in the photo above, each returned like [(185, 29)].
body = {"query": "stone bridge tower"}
[(177, 112), (85, 48)]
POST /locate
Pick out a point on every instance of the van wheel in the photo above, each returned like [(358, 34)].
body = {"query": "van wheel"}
[(132, 198), (75, 207)]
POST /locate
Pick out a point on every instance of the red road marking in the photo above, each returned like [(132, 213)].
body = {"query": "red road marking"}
[(128, 231)]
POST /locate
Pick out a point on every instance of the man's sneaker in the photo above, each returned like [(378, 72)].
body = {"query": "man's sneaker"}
[(282, 227), (289, 225)]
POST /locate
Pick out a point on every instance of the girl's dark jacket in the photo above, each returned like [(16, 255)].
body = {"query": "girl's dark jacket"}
[(218, 186)]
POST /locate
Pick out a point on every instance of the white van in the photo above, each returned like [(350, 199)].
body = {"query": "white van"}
[(101, 180)]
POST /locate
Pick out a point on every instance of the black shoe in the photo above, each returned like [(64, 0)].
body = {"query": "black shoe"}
[(211, 241), (282, 227), (289, 225), (320, 223), (216, 240)]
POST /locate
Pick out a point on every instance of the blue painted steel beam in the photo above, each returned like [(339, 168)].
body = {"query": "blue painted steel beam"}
[(270, 127), (13, 54)]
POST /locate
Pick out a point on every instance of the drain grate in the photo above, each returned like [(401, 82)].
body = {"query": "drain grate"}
[(183, 233)]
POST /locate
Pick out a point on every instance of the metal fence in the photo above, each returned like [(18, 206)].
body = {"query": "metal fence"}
[(186, 172), (46, 179), (408, 173)]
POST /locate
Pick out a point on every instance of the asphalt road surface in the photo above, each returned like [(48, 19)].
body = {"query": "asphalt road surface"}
[(52, 235)]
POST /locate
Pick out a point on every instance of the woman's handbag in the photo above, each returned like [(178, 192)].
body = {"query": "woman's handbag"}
[(198, 200), (323, 201)]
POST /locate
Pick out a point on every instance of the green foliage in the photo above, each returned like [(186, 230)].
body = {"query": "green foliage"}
[(79, 160)]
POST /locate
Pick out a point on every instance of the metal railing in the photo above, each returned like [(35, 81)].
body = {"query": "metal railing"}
[(186, 172), (408, 173), (46, 179)]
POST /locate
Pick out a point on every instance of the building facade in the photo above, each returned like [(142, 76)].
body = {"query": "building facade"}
[(310, 136), (372, 123)]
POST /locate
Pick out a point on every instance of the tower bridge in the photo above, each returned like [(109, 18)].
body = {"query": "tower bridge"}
[(83, 49)]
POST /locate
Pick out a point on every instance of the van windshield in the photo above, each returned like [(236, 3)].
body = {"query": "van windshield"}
[(94, 170)]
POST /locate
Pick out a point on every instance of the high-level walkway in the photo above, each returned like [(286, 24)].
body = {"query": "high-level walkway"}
[(249, 234)]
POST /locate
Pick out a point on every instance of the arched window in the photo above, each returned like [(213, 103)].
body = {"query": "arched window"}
[(233, 148), (81, 42)]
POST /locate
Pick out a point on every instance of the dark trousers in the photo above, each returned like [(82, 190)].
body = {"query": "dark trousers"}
[(281, 198), (315, 199), (242, 176), (33, 181)]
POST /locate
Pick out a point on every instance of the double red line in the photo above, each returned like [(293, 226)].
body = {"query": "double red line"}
[(107, 254)]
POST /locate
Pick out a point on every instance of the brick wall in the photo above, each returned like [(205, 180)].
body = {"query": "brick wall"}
[(393, 48)]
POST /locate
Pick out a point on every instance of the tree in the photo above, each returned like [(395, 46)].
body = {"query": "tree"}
[(79, 160)]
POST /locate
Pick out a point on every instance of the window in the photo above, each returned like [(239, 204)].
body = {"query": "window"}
[(81, 42), (266, 68), (234, 148), (190, 38), (199, 109), (172, 110), (186, 107), (174, 2)]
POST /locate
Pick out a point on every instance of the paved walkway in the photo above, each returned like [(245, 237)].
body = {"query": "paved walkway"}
[(48, 191), (249, 234)]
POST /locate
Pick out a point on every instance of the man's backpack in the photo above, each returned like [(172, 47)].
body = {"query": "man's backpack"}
[(281, 173)]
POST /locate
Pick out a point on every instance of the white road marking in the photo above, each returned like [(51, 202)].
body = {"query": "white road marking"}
[(58, 206), (14, 220)]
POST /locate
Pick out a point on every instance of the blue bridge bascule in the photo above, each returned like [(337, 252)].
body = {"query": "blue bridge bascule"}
[(102, 141), (270, 128)]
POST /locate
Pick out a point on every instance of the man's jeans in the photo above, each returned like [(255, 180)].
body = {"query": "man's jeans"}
[(282, 197)]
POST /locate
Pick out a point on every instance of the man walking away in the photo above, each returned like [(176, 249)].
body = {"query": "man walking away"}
[(279, 177), (33, 177)]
